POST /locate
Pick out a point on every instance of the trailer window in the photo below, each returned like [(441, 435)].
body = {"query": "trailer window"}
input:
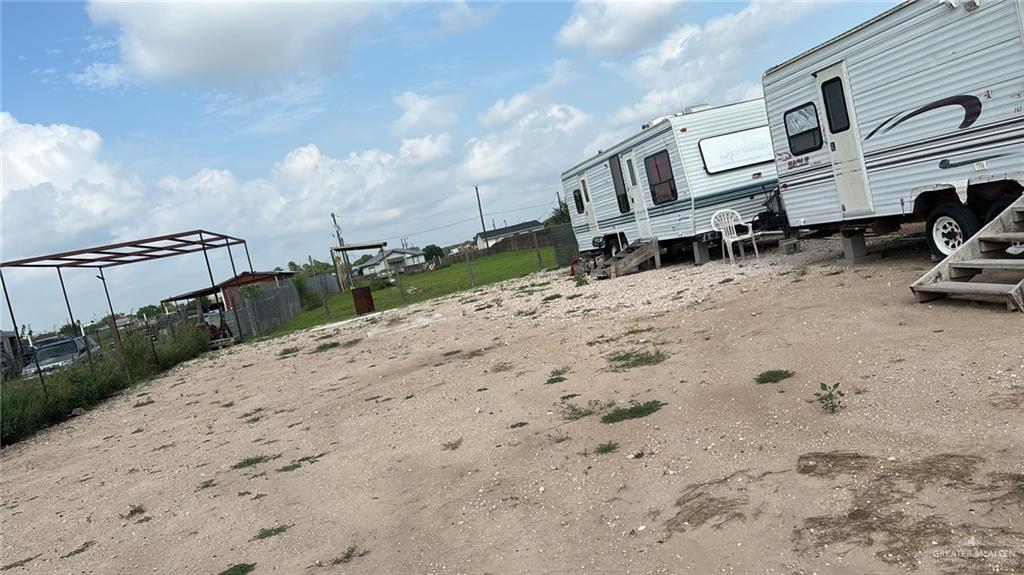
[(620, 185), (632, 172), (736, 150), (659, 176), (802, 129), (578, 198), (835, 105)]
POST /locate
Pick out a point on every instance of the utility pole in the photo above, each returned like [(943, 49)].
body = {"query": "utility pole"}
[(344, 257), (480, 208)]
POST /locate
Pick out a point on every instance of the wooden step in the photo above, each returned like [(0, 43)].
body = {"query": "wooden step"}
[(1018, 214), (967, 288), (989, 264), (1003, 237)]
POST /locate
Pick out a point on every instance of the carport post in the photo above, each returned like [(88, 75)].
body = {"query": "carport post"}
[(246, 246), (234, 308), (14, 322), (209, 271), (113, 328), (536, 246), (71, 316)]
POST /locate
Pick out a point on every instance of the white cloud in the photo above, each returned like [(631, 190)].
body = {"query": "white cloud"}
[(273, 108), (420, 151), (421, 113), (704, 64), (55, 185), (565, 118), (505, 110), (103, 76), (230, 43), (608, 26), (459, 15)]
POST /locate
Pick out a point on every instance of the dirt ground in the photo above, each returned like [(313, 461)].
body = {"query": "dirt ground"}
[(431, 440)]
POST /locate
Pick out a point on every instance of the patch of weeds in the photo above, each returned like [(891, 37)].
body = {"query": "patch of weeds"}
[(601, 339), (239, 569), (452, 352), (573, 296), (773, 376), (252, 413), (551, 297), (326, 346), (288, 351), (206, 484), (138, 430), (518, 424), (727, 280), (373, 398), (352, 342), (623, 360), (254, 460), (634, 411), (581, 280), (144, 402), (799, 275), (228, 404), (572, 412), (20, 563), (482, 307), (607, 447), (830, 397), (568, 396), (638, 330), (481, 389), (133, 510), (258, 496), (244, 493), (289, 467), (268, 532), (325, 336), (558, 437), (526, 312), (82, 549), (351, 553), (452, 445), (394, 320), (558, 375)]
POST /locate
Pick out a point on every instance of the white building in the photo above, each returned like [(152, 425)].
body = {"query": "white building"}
[(487, 239), (398, 259)]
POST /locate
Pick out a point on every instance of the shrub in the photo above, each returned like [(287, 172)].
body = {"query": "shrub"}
[(308, 298), (26, 406)]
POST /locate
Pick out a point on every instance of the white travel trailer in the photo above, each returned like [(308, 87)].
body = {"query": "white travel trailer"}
[(666, 181), (915, 115)]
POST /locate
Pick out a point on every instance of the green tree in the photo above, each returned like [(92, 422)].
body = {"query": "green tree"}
[(559, 214), (362, 259), (433, 251), (150, 310)]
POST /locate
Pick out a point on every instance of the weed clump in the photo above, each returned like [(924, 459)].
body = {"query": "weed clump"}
[(607, 447), (557, 375), (623, 360), (773, 376), (634, 411)]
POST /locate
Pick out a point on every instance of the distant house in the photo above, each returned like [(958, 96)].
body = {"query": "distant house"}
[(487, 239), (230, 289), (398, 259)]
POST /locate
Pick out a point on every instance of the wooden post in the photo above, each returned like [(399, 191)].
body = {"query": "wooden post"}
[(657, 254), (469, 266), (536, 247)]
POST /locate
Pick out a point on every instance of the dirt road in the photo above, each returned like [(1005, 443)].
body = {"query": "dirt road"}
[(431, 441)]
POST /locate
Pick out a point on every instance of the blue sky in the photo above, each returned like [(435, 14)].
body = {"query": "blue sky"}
[(127, 120)]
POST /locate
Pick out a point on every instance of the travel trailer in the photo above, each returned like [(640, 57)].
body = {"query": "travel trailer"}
[(666, 181), (915, 115)]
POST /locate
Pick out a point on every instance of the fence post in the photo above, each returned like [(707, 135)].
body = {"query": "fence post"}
[(536, 247), (398, 282), (469, 266)]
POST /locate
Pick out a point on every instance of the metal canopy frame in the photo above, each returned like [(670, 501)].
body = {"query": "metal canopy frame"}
[(123, 253)]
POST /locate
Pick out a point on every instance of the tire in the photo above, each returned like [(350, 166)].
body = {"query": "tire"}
[(998, 207), (949, 226)]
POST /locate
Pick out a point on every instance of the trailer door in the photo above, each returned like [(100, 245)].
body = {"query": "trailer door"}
[(636, 197), (588, 208), (843, 141)]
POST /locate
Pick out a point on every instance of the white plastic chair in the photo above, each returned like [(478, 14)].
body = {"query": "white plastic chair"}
[(725, 222)]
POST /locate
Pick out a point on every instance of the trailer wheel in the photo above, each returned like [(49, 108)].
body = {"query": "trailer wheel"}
[(949, 226)]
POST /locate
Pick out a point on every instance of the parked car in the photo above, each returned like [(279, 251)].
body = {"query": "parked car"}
[(61, 353)]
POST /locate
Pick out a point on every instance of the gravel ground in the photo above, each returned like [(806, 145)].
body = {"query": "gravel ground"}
[(454, 437)]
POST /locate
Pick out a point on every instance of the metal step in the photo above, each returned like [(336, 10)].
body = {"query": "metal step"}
[(967, 288), (1018, 215), (989, 264)]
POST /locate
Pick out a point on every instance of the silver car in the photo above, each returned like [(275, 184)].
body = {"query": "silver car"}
[(62, 353)]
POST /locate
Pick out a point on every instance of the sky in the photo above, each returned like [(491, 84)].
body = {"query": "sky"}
[(125, 120)]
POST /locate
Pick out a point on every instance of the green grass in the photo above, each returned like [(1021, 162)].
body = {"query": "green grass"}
[(144, 402), (623, 360), (288, 351), (254, 460), (773, 376), (239, 569), (452, 352), (551, 297), (289, 467), (634, 411), (429, 285), (352, 342), (270, 532), (557, 375), (607, 447), (351, 553), (326, 346), (206, 484)]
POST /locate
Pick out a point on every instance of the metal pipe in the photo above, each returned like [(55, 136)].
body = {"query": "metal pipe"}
[(234, 308), (246, 246), (216, 292), (71, 316), (114, 329), (14, 322)]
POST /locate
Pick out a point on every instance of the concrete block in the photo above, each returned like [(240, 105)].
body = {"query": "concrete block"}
[(791, 246), (701, 252)]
